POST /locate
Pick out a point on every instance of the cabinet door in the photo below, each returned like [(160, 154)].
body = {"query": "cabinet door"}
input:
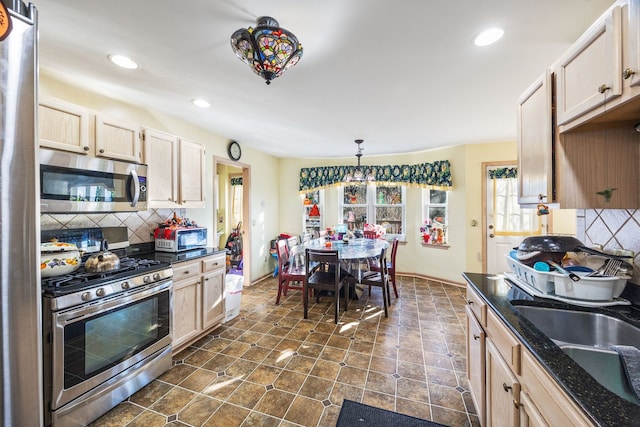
[(161, 154), (117, 139), (535, 143), (476, 363), (191, 172), (590, 73), (64, 126), (212, 298), (186, 310), (503, 390), (631, 44), (529, 414)]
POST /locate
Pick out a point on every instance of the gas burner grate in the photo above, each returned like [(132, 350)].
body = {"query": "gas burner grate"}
[(128, 267)]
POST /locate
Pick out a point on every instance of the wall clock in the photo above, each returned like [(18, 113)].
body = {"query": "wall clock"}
[(234, 151)]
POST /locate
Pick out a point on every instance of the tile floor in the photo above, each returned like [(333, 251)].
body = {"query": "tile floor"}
[(270, 367)]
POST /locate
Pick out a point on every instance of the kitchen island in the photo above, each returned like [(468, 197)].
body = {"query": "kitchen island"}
[(596, 404)]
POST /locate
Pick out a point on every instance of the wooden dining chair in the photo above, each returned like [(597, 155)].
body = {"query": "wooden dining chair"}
[(291, 275), (324, 274), (391, 266), (379, 279)]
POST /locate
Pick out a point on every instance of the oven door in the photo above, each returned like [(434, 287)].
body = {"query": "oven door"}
[(94, 342)]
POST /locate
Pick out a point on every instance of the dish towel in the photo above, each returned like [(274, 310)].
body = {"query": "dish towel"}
[(630, 357)]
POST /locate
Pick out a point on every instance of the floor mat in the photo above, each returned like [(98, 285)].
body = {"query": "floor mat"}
[(358, 414)]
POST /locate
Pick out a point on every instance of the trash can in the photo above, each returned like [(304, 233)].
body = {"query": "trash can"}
[(232, 295)]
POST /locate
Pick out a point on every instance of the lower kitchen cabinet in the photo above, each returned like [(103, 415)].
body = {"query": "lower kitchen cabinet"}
[(198, 298), (508, 385)]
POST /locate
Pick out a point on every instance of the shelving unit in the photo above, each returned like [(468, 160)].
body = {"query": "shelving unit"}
[(312, 224)]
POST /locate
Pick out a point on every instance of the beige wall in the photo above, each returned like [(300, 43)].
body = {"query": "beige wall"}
[(264, 192), (465, 204)]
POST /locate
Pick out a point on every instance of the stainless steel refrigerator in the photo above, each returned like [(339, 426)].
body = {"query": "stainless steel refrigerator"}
[(20, 318)]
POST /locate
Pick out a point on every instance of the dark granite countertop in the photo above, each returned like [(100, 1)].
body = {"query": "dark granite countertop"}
[(602, 406), (147, 251)]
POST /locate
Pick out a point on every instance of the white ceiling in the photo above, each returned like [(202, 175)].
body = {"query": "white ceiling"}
[(403, 75)]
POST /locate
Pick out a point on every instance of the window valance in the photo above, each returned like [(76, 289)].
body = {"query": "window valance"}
[(503, 173), (436, 175)]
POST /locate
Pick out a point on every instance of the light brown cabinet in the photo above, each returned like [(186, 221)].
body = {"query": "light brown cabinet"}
[(176, 171), (593, 147), (191, 173), (198, 298), (68, 127), (589, 73), (535, 142), (516, 390), (161, 153)]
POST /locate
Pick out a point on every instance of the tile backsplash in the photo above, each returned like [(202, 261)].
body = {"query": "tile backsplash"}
[(140, 224), (613, 229)]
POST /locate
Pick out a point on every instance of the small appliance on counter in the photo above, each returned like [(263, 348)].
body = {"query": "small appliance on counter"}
[(180, 238)]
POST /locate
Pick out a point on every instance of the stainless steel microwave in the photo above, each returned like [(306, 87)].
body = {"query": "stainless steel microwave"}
[(72, 182)]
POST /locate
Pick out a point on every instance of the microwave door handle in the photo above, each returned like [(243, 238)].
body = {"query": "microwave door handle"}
[(136, 188)]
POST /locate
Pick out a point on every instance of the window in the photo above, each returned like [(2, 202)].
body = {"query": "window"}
[(370, 204), (435, 215), (313, 212)]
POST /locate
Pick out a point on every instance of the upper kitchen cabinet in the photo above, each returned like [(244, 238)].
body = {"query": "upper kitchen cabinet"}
[(191, 172), (117, 139), (64, 127), (535, 143), (599, 77), (68, 127), (176, 169), (589, 74), (161, 154)]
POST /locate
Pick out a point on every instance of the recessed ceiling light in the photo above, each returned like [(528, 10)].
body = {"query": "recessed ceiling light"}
[(488, 37), (123, 61), (200, 103)]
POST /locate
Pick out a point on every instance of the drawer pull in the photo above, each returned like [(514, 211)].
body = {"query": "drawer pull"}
[(627, 73), (603, 88), (476, 337), (506, 387), (186, 272), (469, 302)]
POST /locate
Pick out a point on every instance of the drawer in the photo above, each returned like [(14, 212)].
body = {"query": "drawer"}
[(185, 270), (507, 344), (213, 262), (477, 305)]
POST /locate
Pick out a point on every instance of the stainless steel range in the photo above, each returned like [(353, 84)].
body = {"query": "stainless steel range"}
[(106, 335)]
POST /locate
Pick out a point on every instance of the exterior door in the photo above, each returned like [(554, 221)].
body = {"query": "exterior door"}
[(506, 222)]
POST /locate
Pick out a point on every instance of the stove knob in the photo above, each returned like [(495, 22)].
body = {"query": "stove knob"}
[(146, 279), (100, 292), (125, 285), (86, 296), (156, 276)]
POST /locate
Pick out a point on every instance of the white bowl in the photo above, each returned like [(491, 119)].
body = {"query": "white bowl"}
[(58, 258)]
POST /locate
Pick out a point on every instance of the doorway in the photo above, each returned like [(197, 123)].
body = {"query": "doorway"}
[(504, 223), (232, 213)]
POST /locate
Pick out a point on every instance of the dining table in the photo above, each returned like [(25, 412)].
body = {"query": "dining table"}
[(353, 253)]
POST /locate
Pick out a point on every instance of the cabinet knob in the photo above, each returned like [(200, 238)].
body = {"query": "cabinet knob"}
[(85, 148), (101, 150), (206, 280), (169, 199), (186, 272), (506, 387), (476, 337), (603, 88), (627, 73), (492, 235), (516, 403), (469, 302), (184, 201)]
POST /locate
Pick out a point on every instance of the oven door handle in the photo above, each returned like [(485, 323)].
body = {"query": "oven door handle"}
[(136, 188), (63, 318)]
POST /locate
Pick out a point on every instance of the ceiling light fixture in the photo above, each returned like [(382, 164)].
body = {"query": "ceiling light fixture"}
[(488, 37), (268, 49), (358, 174), (201, 103), (123, 61)]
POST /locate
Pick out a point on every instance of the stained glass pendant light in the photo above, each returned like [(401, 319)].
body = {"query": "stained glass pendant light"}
[(358, 174), (268, 49)]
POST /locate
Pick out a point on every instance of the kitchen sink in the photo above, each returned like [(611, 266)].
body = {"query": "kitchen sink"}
[(587, 339), (584, 328)]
